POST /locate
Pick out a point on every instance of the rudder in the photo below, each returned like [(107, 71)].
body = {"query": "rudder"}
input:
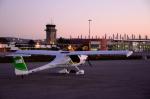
[(20, 66)]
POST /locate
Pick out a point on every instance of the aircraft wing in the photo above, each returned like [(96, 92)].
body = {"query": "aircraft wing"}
[(55, 53), (36, 52), (126, 53)]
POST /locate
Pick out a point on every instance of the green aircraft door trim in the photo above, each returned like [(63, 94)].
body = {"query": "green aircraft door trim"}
[(19, 63)]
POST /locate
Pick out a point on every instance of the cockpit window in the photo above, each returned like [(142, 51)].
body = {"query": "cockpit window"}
[(75, 58)]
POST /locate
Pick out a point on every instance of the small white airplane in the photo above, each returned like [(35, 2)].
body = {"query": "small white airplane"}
[(63, 59)]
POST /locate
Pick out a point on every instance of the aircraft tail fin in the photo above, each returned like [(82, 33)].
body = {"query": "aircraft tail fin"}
[(20, 66)]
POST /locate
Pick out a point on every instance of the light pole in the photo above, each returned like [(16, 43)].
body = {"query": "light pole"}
[(89, 34), (89, 28)]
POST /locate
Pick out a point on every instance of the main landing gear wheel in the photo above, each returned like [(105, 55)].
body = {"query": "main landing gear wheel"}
[(63, 71), (80, 72)]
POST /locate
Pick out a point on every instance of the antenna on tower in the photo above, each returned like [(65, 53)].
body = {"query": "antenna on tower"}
[(52, 21)]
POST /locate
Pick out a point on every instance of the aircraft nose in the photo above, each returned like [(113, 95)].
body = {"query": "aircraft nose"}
[(84, 57)]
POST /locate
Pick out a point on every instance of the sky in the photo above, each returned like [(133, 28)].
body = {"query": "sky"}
[(27, 18)]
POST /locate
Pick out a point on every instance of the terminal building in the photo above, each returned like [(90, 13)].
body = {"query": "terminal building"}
[(137, 45)]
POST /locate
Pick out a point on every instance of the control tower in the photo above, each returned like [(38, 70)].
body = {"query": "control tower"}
[(50, 34)]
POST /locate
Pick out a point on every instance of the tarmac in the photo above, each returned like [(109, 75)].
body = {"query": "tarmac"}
[(109, 79)]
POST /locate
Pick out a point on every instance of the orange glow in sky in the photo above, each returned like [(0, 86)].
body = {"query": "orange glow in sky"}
[(27, 18)]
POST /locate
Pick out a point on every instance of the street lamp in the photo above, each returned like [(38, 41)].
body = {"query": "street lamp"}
[(89, 28), (89, 34)]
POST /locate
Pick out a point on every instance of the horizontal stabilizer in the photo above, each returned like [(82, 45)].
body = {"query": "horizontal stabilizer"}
[(55, 53)]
